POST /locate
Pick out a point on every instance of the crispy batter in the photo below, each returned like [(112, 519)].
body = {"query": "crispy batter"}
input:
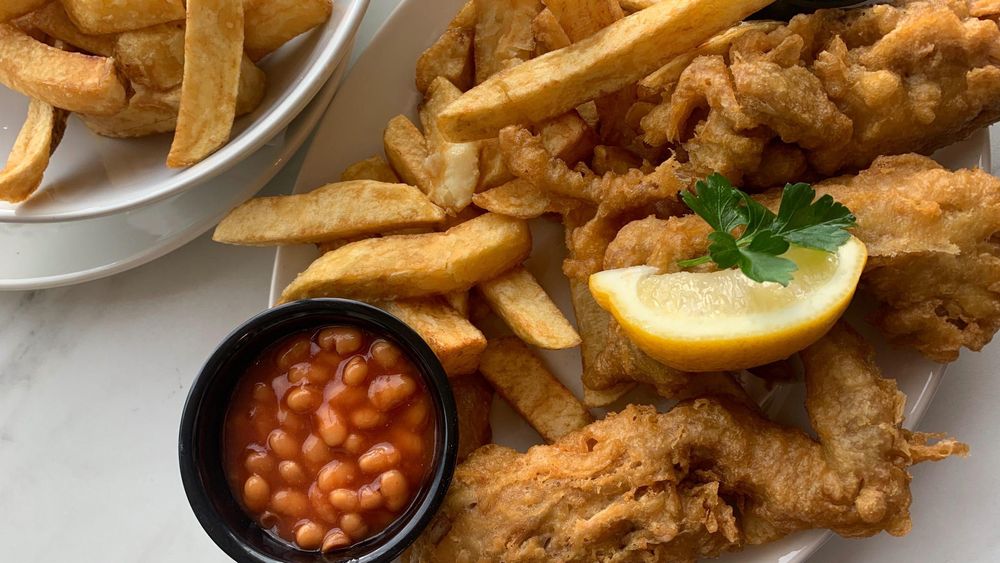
[(830, 92), (932, 265), (707, 477)]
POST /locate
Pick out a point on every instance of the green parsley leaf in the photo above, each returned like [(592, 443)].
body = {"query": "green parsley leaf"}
[(821, 224)]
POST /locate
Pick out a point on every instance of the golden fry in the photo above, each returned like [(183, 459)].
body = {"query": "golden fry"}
[(154, 56), (452, 168), (449, 57), (605, 62), (52, 20), (503, 36), (406, 150), (148, 112), (328, 213), (522, 303), (39, 137), (473, 399), (520, 377), (104, 16), (492, 169), (417, 265), (10, 9), (459, 301), (517, 198), (454, 340), (213, 50), (272, 23), (549, 35), (568, 137), (636, 5), (373, 168), (71, 81), (583, 19)]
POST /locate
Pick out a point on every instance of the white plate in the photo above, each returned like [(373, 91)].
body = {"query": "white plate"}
[(92, 176), (380, 85), (36, 256)]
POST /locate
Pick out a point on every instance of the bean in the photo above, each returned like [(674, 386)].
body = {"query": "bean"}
[(292, 472), (309, 535), (302, 399), (293, 422), (262, 393), (330, 426), (344, 499), (366, 418), (380, 457), (387, 392), (293, 353), (395, 489), (353, 525), (355, 444), (356, 371), (369, 498), (256, 493), (334, 539), (283, 444), (385, 353), (298, 372), (259, 463), (345, 340), (315, 450), (335, 475), (321, 504), (290, 503), (415, 416), (407, 442)]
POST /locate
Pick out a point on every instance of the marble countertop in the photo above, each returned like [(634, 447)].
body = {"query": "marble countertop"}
[(93, 378)]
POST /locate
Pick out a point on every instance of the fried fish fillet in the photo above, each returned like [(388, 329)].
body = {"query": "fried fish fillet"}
[(708, 477), (829, 92), (933, 266)]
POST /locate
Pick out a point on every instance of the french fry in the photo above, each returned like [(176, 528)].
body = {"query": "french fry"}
[(52, 20), (272, 23), (252, 86), (583, 19), (549, 35), (331, 212), (520, 377), (605, 62), (503, 36), (459, 301), (636, 5), (520, 301), (71, 81), (372, 168), (154, 56), (449, 57), (10, 9), (417, 265), (473, 399), (103, 16), (39, 137), (148, 112), (453, 168), (213, 50), (517, 198), (465, 18), (456, 343), (568, 137), (653, 85), (492, 169), (406, 150)]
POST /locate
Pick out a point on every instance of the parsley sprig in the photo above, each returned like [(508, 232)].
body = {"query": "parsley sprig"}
[(757, 250)]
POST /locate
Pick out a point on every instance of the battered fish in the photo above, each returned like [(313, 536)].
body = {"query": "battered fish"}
[(933, 264), (708, 477), (831, 91)]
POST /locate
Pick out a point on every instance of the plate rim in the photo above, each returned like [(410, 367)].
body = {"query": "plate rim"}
[(243, 146)]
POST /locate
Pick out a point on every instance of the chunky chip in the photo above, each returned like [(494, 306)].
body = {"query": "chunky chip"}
[(454, 340), (449, 57), (605, 62), (406, 150), (520, 377), (334, 211), (71, 81), (473, 399), (148, 112), (452, 168), (568, 137), (522, 303), (10, 9), (549, 35), (104, 16), (272, 23), (583, 19), (503, 37), (53, 21), (517, 198), (492, 169), (39, 137), (417, 265), (213, 50), (372, 168), (154, 56)]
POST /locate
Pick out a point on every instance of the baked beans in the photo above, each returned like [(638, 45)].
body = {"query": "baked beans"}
[(327, 439)]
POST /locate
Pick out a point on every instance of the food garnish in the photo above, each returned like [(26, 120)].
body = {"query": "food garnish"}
[(757, 250)]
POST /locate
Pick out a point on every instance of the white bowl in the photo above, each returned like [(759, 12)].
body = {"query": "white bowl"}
[(91, 176)]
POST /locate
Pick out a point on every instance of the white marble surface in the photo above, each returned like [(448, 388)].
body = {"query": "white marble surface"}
[(93, 377)]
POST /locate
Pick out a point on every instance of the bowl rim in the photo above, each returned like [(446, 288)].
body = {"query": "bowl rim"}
[(349, 311), (244, 145)]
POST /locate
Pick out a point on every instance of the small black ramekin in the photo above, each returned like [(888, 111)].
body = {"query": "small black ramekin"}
[(200, 443)]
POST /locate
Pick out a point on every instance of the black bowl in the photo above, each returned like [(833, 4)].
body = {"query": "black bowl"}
[(200, 442)]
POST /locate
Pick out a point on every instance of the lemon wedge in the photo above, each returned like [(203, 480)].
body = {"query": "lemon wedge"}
[(723, 320)]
